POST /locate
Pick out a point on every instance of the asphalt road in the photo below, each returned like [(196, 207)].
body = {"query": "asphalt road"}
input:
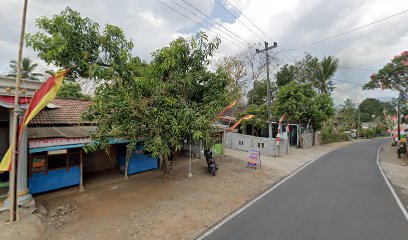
[(340, 196)]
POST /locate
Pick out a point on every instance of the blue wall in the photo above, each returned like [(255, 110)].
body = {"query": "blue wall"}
[(55, 179), (138, 162)]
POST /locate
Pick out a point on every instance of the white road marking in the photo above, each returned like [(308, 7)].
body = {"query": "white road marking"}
[(256, 199), (397, 199)]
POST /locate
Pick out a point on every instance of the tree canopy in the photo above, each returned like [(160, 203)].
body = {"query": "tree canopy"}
[(300, 102), (71, 90), (394, 75)]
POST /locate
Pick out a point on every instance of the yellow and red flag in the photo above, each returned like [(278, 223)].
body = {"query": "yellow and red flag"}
[(45, 94), (224, 111), (239, 121)]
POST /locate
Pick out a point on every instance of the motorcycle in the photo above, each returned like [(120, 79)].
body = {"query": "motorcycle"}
[(212, 167)]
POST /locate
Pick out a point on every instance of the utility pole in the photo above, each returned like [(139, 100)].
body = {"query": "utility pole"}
[(358, 125), (14, 138), (268, 83), (398, 128)]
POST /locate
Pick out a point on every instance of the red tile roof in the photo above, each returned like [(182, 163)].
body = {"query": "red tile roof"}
[(60, 132), (66, 112)]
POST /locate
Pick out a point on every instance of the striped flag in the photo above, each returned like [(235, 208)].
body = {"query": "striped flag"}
[(45, 94), (239, 121), (278, 139)]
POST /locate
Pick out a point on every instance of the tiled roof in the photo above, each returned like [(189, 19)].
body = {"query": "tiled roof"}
[(60, 132), (65, 112)]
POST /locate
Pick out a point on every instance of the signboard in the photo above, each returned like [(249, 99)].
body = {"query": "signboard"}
[(254, 158)]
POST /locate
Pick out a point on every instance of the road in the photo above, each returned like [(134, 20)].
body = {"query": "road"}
[(340, 196)]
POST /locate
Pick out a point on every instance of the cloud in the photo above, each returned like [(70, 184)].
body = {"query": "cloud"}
[(291, 23)]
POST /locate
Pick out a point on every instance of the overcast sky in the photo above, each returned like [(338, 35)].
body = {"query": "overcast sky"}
[(291, 23)]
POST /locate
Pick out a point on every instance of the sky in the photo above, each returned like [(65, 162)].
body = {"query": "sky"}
[(291, 23)]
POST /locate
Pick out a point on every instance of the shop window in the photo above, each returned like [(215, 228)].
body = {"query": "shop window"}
[(57, 161)]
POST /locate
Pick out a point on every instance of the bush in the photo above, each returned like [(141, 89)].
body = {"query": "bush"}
[(368, 133), (330, 134)]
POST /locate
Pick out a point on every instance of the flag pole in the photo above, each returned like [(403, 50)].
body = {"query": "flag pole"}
[(16, 112)]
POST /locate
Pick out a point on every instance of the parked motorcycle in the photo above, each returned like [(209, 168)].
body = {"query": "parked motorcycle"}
[(211, 165)]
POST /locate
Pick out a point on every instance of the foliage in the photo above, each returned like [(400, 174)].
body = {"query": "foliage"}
[(300, 102), (27, 69), (258, 94), (394, 75), (71, 90), (260, 118), (236, 70), (330, 133), (69, 41), (368, 133), (309, 70), (372, 108), (347, 116), (325, 71), (176, 98)]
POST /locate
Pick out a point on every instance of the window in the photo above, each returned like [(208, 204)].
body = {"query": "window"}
[(57, 161), (263, 145), (259, 145)]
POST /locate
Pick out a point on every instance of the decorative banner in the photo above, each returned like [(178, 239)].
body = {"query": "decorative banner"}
[(225, 110), (254, 158), (239, 121), (278, 136), (45, 94)]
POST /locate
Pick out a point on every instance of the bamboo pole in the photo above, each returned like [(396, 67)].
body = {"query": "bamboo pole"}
[(14, 137)]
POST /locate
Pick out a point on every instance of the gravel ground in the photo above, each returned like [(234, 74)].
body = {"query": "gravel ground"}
[(144, 207), (396, 170)]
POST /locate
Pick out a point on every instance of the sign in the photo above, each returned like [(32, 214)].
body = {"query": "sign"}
[(56, 152), (254, 158)]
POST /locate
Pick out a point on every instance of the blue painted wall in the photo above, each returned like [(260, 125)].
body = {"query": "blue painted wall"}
[(138, 162), (55, 179)]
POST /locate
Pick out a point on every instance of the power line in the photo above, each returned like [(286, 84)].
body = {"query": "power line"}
[(339, 80), (352, 30), (240, 12), (214, 20), (230, 13), (358, 69), (203, 19), (182, 14)]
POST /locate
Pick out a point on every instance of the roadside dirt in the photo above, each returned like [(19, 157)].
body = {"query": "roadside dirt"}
[(144, 207), (396, 170)]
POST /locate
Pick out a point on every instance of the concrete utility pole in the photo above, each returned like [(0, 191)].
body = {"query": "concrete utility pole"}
[(268, 83), (17, 111), (358, 125), (398, 127)]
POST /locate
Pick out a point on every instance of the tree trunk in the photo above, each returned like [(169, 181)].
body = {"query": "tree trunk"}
[(165, 167)]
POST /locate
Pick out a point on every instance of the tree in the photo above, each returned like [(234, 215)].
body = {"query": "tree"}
[(300, 102), (285, 75), (176, 98), (394, 75), (370, 109), (347, 115), (69, 41), (27, 69), (71, 90), (236, 70), (257, 95), (325, 71)]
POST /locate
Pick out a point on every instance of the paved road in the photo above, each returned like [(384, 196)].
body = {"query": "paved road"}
[(340, 196)]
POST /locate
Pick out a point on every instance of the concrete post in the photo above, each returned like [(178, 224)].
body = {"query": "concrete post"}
[(81, 165), (23, 195)]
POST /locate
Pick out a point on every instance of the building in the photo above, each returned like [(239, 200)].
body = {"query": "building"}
[(51, 150)]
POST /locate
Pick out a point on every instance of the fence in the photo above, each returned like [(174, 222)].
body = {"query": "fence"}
[(267, 146)]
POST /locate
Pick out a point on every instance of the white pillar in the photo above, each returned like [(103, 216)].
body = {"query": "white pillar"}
[(23, 195)]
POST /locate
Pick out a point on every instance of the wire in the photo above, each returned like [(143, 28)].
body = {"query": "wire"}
[(238, 19), (352, 30), (191, 5), (182, 14), (240, 12), (339, 80), (358, 69), (203, 19)]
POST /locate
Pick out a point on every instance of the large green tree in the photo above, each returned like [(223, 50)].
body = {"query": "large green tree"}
[(300, 102), (326, 69), (176, 98), (27, 69), (79, 44)]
